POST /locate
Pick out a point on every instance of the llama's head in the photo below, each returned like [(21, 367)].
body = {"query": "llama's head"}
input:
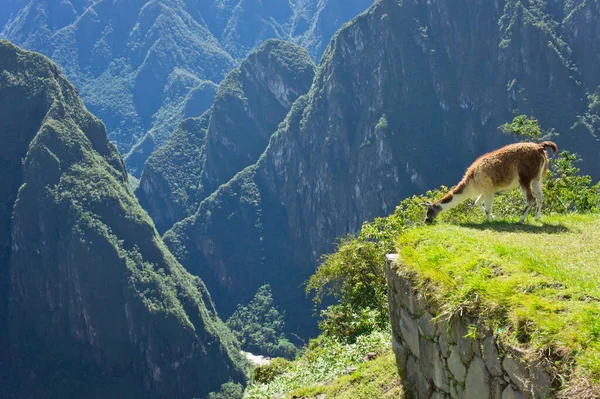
[(432, 211)]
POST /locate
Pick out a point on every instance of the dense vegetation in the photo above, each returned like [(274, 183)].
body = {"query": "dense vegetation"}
[(95, 305), (259, 327), (169, 187), (376, 378), (144, 66)]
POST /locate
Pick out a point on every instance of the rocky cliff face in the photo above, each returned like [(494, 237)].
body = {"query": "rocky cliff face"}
[(251, 103), (580, 32), (206, 152), (126, 57), (406, 97), (93, 303), (315, 23)]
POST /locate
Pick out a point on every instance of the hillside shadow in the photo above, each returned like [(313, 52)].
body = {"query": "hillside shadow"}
[(514, 227)]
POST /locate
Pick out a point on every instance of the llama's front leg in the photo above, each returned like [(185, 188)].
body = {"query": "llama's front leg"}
[(479, 202), (539, 196), (489, 206)]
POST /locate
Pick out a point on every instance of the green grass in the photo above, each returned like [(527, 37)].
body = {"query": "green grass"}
[(377, 378), (536, 284), (321, 370)]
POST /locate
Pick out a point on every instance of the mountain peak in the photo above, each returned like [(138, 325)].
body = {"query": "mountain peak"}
[(249, 105)]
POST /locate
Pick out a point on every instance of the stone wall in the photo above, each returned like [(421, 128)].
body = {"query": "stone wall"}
[(457, 358)]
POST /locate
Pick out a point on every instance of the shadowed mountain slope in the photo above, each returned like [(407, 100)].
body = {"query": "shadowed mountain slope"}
[(94, 304)]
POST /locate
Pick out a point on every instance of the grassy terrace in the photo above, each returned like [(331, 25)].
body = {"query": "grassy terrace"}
[(537, 284), (323, 371), (375, 379)]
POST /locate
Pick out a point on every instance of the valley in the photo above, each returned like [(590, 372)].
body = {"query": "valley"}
[(183, 181)]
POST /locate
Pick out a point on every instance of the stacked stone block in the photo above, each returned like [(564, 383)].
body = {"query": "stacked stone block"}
[(457, 358)]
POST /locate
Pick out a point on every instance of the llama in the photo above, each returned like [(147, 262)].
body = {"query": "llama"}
[(521, 164)]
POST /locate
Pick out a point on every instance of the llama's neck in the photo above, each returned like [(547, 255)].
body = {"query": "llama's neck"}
[(459, 194)]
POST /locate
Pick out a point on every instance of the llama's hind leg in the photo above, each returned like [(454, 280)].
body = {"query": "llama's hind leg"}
[(529, 195), (489, 206), (539, 196)]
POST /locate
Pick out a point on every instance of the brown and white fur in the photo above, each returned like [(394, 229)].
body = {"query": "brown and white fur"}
[(521, 164)]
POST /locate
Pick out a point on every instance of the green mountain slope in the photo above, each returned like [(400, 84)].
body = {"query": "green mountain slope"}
[(126, 57), (406, 97), (206, 152), (95, 305), (168, 188)]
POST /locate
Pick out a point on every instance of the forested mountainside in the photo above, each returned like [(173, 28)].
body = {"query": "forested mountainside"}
[(405, 98), (92, 303), (144, 66), (206, 152)]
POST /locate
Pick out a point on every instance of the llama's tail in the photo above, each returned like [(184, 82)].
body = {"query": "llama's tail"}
[(549, 144)]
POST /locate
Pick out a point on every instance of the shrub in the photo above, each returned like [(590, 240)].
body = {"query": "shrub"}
[(229, 390), (266, 373), (526, 129)]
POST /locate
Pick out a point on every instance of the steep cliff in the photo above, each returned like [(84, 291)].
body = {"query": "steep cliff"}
[(581, 32), (315, 23), (169, 187), (125, 57), (406, 96), (206, 152), (95, 305)]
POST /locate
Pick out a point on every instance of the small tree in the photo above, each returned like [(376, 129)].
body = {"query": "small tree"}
[(527, 129)]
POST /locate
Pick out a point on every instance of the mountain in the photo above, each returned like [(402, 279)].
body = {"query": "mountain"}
[(315, 23), (32, 23), (92, 302), (137, 64), (406, 96), (206, 152), (144, 66)]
